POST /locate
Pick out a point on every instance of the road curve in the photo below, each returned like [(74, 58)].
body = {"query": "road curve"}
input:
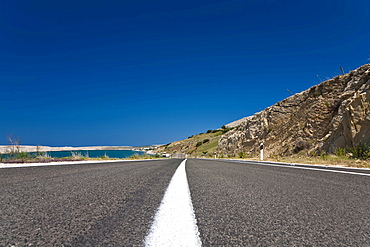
[(109, 204), (240, 204)]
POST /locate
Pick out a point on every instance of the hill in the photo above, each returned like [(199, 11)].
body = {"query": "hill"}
[(323, 119), (203, 144)]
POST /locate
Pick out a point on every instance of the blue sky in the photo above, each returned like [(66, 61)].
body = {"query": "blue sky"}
[(138, 72)]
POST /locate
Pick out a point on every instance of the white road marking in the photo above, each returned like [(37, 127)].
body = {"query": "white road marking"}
[(174, 223), (311, 168), (326, 170)]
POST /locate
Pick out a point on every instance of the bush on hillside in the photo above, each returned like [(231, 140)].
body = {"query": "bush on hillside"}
[(242, 155), (361, 151), (198, 144)]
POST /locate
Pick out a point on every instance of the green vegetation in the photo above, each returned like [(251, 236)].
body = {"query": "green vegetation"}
[(340, 152), (13, 152), (315, 94), (200, 145), (242, 155), (105, 156), (143, 157), (79, 155), (361, 151), (326, 159), (356, 156), (226, 130)]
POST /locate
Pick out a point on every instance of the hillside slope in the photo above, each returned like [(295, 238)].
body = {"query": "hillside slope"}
[(203, 144), (334, 114)]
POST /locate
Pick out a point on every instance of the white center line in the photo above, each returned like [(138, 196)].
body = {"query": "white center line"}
[(174, 223)]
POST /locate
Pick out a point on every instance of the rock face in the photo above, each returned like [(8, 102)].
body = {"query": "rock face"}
[(334, 114)]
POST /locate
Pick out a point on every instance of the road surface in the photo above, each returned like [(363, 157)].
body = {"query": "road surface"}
[(234, 203)]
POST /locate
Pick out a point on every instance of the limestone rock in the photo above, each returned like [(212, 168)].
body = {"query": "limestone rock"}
[(334, 114)]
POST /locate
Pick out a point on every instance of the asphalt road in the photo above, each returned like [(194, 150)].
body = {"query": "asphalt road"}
[(108, 204), (235, 204), (239, 204)]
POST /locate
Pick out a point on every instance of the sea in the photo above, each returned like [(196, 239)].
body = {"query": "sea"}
[(95, 153)]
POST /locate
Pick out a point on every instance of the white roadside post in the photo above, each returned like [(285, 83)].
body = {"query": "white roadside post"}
[(261, 151)]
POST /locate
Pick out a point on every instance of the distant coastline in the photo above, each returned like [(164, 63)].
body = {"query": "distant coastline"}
[(30, 148)]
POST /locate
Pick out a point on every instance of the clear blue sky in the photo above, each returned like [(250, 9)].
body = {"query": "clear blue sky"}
[(137, 72)]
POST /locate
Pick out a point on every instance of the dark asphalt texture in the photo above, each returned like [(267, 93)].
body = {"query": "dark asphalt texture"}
[(236, 204), (240, 204), (109, 204)]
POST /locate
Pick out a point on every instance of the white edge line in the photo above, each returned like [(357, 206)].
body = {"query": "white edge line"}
[(325, 168), (308, 168)]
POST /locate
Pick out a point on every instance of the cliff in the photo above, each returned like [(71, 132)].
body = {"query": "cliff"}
[(334, 114)]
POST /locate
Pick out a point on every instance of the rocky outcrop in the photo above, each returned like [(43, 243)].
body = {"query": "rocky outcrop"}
[(334, 114)]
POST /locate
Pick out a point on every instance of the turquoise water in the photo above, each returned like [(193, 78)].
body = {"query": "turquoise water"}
[(96, 153)]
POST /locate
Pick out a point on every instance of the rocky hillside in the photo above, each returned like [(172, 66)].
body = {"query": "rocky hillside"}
[(334, 114)]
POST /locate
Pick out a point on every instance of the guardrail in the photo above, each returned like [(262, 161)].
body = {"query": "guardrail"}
[(179, 156)]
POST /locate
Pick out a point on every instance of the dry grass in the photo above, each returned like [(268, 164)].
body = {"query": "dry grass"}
[(326, 160), (189, 146), (143, 157)]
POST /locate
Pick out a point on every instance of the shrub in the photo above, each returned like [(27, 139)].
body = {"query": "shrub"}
[(224, 130), (242, 155), (79, 155), (43, 155), (23, 156), (315, 94), (209, 131), (205, 140), (198, 144), (135, 156), (143, 156), (341, 152), (105, 156), (361, 151)]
